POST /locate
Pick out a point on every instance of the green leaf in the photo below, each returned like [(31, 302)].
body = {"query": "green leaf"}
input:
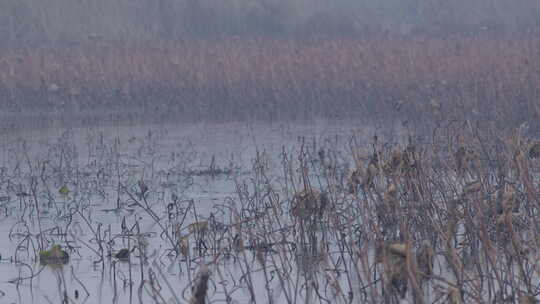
[(64, 190)]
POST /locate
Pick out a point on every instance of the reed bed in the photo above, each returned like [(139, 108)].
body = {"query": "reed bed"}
[(481, 77), (452, 219)]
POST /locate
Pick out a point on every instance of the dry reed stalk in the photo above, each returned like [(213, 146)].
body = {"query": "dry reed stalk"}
[(308, 203), (527, 299), (394, 259), (183, 244), (425, 258), (454, 296), (534, 151), (201, 286), (391, 197)]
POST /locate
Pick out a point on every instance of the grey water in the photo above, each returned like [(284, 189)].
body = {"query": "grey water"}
[(167, 157)]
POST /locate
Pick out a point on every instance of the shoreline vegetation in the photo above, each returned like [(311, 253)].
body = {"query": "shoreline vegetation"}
[(489, 78), (332, 218)]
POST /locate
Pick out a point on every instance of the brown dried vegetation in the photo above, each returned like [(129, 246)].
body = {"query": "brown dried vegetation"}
[(277, 78), (308, 203)]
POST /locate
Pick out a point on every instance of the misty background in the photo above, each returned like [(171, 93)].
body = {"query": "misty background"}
[(271, 60), (313, 133), (24, 22)]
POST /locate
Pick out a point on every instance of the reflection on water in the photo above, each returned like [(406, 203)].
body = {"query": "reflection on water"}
[(77, 187), (280, 213)]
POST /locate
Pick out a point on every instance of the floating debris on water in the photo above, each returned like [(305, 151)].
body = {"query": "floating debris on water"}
[(54, 256), (123, 254), (64, 190)]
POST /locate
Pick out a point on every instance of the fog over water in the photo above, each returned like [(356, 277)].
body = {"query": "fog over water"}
[(269, 151)]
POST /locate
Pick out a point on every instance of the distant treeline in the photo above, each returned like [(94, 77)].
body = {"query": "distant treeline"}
[(70, 21)]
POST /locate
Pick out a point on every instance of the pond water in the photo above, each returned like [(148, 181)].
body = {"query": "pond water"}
[(173, 159), (228, 196)]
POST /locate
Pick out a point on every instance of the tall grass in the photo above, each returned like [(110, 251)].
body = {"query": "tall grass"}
[(450, 220), (274, 78)]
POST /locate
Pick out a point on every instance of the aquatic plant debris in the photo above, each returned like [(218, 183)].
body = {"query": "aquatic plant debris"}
[(64, 190), (54, 256)]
